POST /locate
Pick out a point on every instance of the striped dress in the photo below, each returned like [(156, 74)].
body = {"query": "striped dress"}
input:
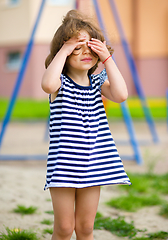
[(82, 152)]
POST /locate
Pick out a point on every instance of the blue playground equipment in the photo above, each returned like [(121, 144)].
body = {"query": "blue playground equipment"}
[(137, 155)]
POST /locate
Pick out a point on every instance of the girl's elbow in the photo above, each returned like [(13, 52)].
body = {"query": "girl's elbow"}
[(121, 98), (46, 87), (50, 86), (124, 97)]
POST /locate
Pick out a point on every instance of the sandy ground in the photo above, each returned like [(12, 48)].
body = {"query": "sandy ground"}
[(22, 182)]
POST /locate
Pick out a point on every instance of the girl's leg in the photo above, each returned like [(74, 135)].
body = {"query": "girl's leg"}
[(87, 200), (63, 200)]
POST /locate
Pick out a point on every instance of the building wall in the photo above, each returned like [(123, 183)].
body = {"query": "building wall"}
[(51, 19), (152, 28), (14, 23), (31, 84), (151, 45)]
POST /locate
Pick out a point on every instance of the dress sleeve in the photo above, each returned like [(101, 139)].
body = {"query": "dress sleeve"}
[(99, 79), (103, 77), (62, 77)]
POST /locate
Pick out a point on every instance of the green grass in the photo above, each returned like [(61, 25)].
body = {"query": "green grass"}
[(48, 230), (146, 190), (39, 109), (164, 210), (158, 235), (25, 210), (47, 222), (121, 228), (154, 236), (116, 226), (18, 234), (50, 212), (48, 199), (26, 109), (132, 203), (147, 183)]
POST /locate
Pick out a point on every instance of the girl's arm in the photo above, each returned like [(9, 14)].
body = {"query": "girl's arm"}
[(114, 88), (51, 79)]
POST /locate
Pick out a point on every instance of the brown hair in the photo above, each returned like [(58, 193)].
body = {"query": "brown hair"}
[(72, 23)]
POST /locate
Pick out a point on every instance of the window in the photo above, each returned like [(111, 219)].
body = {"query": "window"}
[(14, 60), (12, 3), (60, 2)]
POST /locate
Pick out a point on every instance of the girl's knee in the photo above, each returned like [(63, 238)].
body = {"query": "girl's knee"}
[(84, 229), (64, 230)]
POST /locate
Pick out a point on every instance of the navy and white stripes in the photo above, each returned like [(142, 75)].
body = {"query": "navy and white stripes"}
[(82, 152)]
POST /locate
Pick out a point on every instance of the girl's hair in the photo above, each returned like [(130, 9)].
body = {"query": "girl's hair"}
[(72, 23)]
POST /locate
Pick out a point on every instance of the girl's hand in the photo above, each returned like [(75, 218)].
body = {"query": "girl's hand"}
[(99, 48), (74, 42)]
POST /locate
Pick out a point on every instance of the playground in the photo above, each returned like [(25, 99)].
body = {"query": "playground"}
[(142, 145), (22, 181)]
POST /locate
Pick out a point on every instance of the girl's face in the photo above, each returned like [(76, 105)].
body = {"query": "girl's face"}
[(82, 57)]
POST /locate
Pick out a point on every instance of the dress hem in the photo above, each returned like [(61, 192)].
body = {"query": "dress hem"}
[(86, 186)]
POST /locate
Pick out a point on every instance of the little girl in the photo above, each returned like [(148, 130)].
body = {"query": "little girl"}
[(82, 154)]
